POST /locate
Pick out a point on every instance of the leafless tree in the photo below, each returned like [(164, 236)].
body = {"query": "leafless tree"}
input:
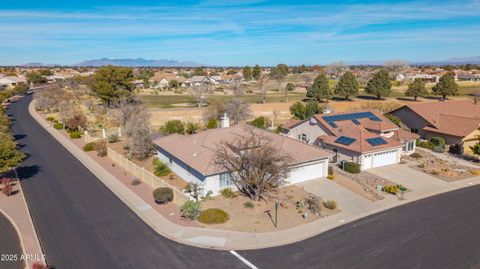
[(262, 81), (395, 67), (336, 68), (275, 113), (72, 116), (214, 110), (141, 144), (237, 89), (199, 93), (238, 110), (256, 166), (126, 112)]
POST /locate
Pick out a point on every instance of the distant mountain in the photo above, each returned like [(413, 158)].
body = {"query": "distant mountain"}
[(139, 62), (33, 64), (455, 61)]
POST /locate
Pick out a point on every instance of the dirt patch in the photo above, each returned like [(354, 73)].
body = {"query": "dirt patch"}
[(356, 188), (261, 218)]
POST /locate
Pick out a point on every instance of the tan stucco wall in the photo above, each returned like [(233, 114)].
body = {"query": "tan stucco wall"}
[(470, 140), (312, 131), (411, 119)]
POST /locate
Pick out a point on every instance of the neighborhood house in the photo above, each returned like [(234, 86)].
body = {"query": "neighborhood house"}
[(457, 121), (192, 157), (365, 137)]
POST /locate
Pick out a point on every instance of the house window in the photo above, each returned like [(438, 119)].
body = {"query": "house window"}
[(405, 147), (411, 144), (225, 180), (302, 137), (413, 130)]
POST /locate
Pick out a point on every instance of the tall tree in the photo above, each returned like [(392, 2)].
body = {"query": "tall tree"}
[(302, 111), (446, 86), (416, 89), (112, 83), (247, 73), (347, 85), (258, 166), (380, 85), (256, 72), (238, 110), (10, 156), (320, 89), (279, 73)]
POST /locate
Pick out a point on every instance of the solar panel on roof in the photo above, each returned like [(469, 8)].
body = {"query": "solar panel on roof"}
[(376, 141), (345, 140), (332, 124), (356, 121), (351, 116)]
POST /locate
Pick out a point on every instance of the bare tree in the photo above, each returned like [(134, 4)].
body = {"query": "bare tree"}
[(199, 93), (126, 112), (238, 110), (262, 81), (336, 68), (214, 110), (254, 163), (237, 89), (141, 144), (395, 67)]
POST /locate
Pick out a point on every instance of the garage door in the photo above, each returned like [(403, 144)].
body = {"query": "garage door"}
[(308, 172), (385, 158)]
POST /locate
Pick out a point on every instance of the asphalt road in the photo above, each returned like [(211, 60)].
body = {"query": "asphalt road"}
[(10, 248), (81, 224)]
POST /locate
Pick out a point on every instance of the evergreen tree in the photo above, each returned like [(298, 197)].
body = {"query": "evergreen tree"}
[(10, 156), (416, 89), (319, 89), (380, 85), (446, 86), (256, 72), (347, 85)]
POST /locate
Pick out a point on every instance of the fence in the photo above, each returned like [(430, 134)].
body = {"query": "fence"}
[(146, 176)]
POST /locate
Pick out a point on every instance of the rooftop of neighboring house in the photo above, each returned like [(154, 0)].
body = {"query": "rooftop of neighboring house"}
[(198, 150), (13, 79), (160, 75), (453, 117)]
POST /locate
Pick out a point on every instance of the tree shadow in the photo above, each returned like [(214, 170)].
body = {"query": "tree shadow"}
[(369, 97), (19, 136), (407, 99), (431, 97), (27, 172)]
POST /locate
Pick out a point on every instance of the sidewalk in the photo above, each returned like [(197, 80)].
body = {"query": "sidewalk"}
[(228, 240)]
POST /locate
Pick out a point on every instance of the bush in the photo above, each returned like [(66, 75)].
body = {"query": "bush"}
[(212, 124), (75, 135), (331, 177), (438, 141), (191, 128), (330, 170), (51, 119), (416, 155), (438, 149), (351, 167), (89, 146), (101, 148), (313, 203), (160, 169), (330, 204), (427, 144), (136, 182), (58, 126), (173, 127), (392, 189), (113, 138), (163, 195), (248, 204), (213, 216), (190, 209), (260, 122), (393, 119), (228, 193)]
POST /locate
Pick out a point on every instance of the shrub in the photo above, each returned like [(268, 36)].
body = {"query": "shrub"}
[(101, 148), (438, 141), (416, 155), (260, 122), (331, 177), (330, 204), (173, 127), (136, 182), (163, 195), (58, 126), (89, 146), (313, 203), (190, 209), (393, 189), (75, 135), (475, 172), (212, 124), (113, 138), (248, 204), (228, 193), (213, 216), (191, 128), (160, 169), (52, 119), (351, 167), (427, 144)]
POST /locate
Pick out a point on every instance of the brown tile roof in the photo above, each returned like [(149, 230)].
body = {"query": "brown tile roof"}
[(401, 134), (198, 150), (168, 76), (292, 123), (360, 144), (455, 125)]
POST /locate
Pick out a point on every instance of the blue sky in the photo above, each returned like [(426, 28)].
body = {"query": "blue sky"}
[(238, 32)]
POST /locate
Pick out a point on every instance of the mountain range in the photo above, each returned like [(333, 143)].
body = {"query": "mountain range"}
[(138, 62)]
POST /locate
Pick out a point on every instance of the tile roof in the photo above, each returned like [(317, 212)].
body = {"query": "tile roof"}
[(198, 150), (455, 125), (292, 123)]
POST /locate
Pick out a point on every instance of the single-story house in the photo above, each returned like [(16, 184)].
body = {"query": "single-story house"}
[(458, 121), (163, 79), (468, 77), (192, 157), (364, 137), (11, 81)]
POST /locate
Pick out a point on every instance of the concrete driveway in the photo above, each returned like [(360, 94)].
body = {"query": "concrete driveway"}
[(329, 190)]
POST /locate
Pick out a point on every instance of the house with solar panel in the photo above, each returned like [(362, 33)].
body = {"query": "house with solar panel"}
[(366, 137)]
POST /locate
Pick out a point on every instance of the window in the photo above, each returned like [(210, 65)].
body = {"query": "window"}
[(405, 146), (225, 180), (411, 144), (415, 131), (302, 137)]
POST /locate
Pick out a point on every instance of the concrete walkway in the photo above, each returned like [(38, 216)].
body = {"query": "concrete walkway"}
[(224, 239)]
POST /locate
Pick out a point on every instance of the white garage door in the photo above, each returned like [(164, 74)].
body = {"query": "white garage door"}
[(308, 172), (385, 158)]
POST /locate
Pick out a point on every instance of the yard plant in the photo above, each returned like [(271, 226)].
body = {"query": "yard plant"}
[(351, 167), (330, 204), (89, 146), (163, 195), (75, 135), (213, 216), (191, 210), (160, 169)]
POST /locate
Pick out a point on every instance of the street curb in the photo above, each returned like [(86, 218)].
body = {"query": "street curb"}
[(233, 240)]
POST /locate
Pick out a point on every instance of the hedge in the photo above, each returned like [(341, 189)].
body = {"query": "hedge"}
[(58, 126), (438, 141), (213, 216), (351, 167), (89, 146), (163, 195)]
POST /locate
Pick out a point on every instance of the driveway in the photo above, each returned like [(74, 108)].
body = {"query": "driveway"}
[(329, 190)]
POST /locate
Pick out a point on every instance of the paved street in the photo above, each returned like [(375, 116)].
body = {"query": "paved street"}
[(81, 224), (9, 245)]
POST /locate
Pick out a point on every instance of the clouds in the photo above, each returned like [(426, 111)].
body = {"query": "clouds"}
[(240, 31)]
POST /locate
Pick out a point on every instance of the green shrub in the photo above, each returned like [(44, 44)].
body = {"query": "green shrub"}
[(248, 204), (160, 169), (163, 195), (89, 146), (438, 141), (228, 193), (330, 204), (331, 177), (75, 135), (213, 216), (190, 209), (51, 119), (438, 149), (260, 122), (191, 128), (427, 144), (416, 155), (173, 127), (58, 126), (212, 124), (113, 138), (351, 167)]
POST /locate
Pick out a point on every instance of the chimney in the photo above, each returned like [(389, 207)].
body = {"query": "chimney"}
[(224, 121)]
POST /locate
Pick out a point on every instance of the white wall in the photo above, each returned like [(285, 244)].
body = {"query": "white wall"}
[(308, 171), (311, 128)]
